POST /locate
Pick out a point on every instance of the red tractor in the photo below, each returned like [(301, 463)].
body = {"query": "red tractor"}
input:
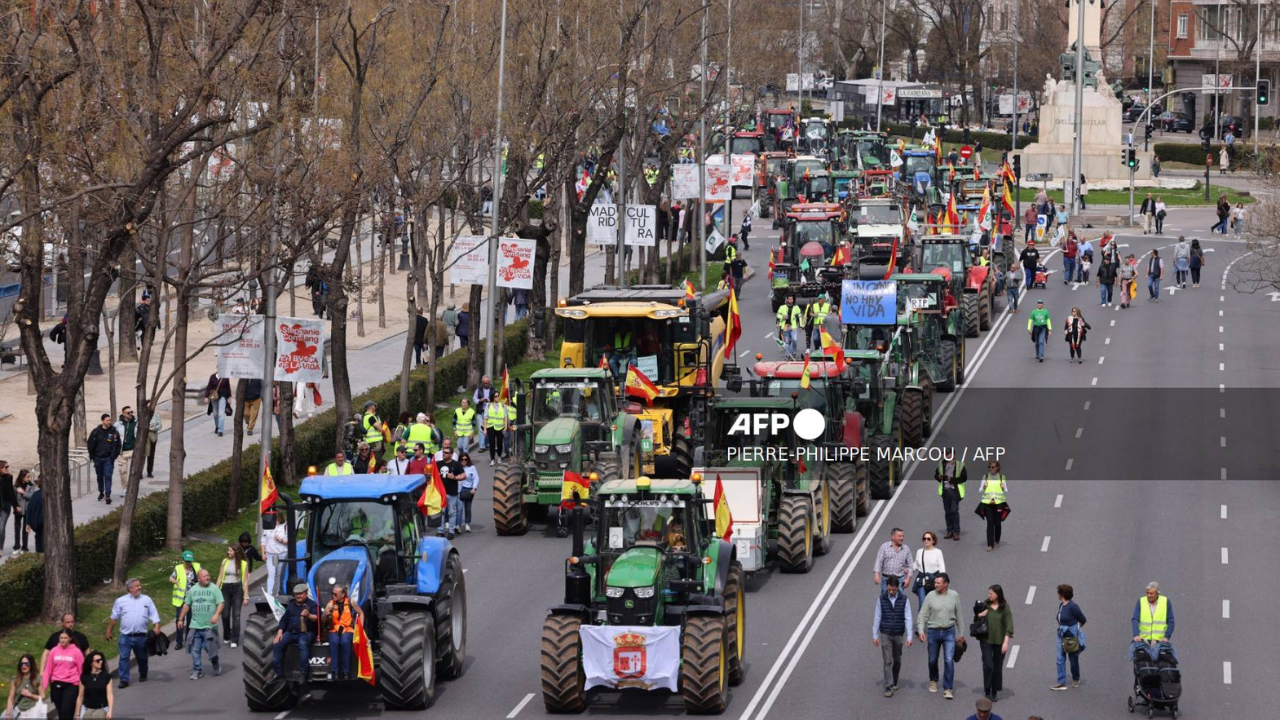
[(972, 283)]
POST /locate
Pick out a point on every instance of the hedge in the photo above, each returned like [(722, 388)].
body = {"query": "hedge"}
[(989, 140), (1190, 153), (204, 506)]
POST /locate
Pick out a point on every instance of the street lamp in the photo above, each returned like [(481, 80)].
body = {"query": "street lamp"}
[(884, 10), (1079, 110), (497, 203)]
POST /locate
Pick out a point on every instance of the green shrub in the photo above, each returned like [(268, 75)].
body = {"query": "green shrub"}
[(989, 140), (1266, 123), (1185, 153), (205, 492)]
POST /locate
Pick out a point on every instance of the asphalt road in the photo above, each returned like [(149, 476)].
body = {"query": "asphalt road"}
[(1116, 471)]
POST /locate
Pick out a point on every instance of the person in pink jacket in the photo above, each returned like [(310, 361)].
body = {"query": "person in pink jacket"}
[(62, 671)]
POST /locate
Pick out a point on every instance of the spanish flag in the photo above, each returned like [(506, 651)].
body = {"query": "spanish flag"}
[(432, 500), (363, 651), (733, 330), (953, 216), (842, 256), (573, 488), (1007, 198), (638, 385), (804, 374), (893, 259), (831, 348), (724, 517), (504, 395), (688, 290), (268, 492), (977, 173), (984, 210), (1007, 172), (604, 361)]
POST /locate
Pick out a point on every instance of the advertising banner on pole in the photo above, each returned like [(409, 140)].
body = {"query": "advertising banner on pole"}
[(299, 349), (684, 181), (242, 349), (744, 167), (642, 225), (515, 262), (469, 261), (718, 176), (602, 224)]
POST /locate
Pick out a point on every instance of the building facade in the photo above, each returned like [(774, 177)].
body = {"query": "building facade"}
[(1217, 38)]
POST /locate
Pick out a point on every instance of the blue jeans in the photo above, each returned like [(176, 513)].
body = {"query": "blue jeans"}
[(1031, 277), (1041, 336), (521, 311), (943, 639), (137, 644), (1153, 285), (1012, 292), (1106, 291), (1075, 657), (340, 650), (202, 640), (790, 341), (1069, 267), (103, 468), (453, 510), (219, 414), (303, 641), (464, 443)]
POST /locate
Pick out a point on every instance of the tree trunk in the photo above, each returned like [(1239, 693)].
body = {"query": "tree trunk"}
[(338, 304), (474, 346), (237, 449), (177, 429), (406, 361), (383, 255), (358, 274), (128, 300), (110, 324), (288, 458)]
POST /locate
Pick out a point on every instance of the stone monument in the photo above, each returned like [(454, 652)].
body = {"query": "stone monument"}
[(1101, 125)]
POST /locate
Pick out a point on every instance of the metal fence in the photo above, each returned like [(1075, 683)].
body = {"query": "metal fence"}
[(81, 470)]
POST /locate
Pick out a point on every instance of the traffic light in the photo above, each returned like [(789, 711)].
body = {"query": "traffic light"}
[(1131, 158), (1263, 95), (1017, 166)]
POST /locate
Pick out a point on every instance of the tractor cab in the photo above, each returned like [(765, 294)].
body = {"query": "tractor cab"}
[(952, 252), (780, 379), (815, 134), (747, 142), (817, 222), (779, 125), (880, 229)]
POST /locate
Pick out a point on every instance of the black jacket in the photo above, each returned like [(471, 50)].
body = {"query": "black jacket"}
[(253, 389), (104, 443), (1030, 257), (8, 498), (420, 331), (35, 509)]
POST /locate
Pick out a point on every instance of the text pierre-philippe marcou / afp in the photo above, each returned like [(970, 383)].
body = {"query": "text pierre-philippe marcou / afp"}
[(842, 453)]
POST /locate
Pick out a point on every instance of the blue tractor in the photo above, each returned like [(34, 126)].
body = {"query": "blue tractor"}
[(364, 532)]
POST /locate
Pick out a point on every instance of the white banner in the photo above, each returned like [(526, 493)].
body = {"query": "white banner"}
[(684, 181), (919, 94), (515, 262), (618, 657), (889, 96), (718, 182), (642, 225), (469, 261), (299, 349), (744, 168), (242, 352), (602, 224)]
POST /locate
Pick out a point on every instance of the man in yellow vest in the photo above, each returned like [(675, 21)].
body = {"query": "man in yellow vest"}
[(1153, 617), (993, 489), (424, 431), (951, 476), (372, 426), (790, 319), (509, 440), (623, 354), (495, 426), (183, 577), (340, 466), (817, 313), (464, 424)]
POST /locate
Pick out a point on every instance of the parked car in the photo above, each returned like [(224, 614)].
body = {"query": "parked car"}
[(1234, 123), (1176, 122), (1133, 112)]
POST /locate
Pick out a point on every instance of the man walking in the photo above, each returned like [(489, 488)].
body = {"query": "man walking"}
[(940, 627), (104, 448), (1030, 259), (1155, 270), (1030, 217), (893, 561), (464, 419), (1039, 325), (790, 318), (371, 424), (182, 578), (1148, 213), (745, 231), (983, 711), (252, 403), (202, 610), (127, 429), (137, 615), (891, 625), (951, 477), (296, 627), (479, 401), (1153, 617)]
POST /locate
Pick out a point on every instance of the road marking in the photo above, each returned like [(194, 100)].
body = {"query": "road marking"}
[(1219, 313), (1031, 591), (1069, 462), (1224, 512), (1222, 367), (769, 336), (1222, 298), (1222, 388), (1226, 609), (1044, 546), (1226, 672), (1058, 503), (301, 700), (1222, 413), (1220, 328), (520, 707), (1101, 358), (1013, 656), (1107, 341), (1222, 441), (1079, 432), (1113, 323), (744, 352), (1221, 347), (1224, 557), (1224, 473), (1095, 381)]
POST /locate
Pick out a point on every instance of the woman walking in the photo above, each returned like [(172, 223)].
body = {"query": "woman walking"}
[(233, 578), (929, 562), (464, 325), (1070, 637), (1197, 262), (1237, 219), (996, 644), (62, 670), (1106, 280), (1224, 211), (1181, 261), (1075, 332), (1128, 280), (1161, 212), (96, 699), (217, 393), (23, 489), (24, 688), (467, 489), (993, 505)]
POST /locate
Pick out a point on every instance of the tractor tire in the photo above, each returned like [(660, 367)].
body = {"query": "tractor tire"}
[(261, 690), (883, 473), (704, 665), (562, 675), (969, 314), (950, 364), (795, 534), (863, 505), (843, 481), (407, 662), (911, 418), (822, 519), (450, 610), (986, 309), (682, 454), (509, 515), (608, 469), (735, 613)]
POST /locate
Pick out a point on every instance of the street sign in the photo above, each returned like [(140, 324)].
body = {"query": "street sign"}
[(1040, 177), (965, 152), (1042, 224)]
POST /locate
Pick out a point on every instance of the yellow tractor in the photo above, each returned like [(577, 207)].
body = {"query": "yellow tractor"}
[(674, 342)]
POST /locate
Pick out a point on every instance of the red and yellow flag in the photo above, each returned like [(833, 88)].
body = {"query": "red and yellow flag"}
[(363, 651), (724, 517), (733, 330), (893, 259), (639, 385), (573, 488), (1007, 172), (804, 374), (604, 361), (1007, 199), (688, 290), (269, 494), (984, 210), (432, 500), (831, 348), (953, 216), (504, 395)]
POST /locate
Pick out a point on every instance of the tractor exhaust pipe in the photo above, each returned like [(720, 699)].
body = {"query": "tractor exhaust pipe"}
[(577, 583)]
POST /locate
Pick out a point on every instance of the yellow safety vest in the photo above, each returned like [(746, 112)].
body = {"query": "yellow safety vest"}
[(421, 433), (511, 414), (730, 254), (1153, 628), (819, 311), (959, 469), (180, 590), (464, 421), (244, 571), (495, 415), (993, 489), (372, 434), (622, 342), (796, 317), (346, 469)]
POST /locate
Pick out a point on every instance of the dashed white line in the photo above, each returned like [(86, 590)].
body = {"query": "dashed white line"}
[(1222, 367), (1222, 298), (1226, 672), (1044, 546), (1224, 473), (1087, 403), (1222, 388), (1013, 656), (744, 352), (1226, 609), (285, 714), (520, 707), (1107, 341), (1221, 347), (1222, 441), (1220, 329), (1113, 322), (1058, 502), (1101, 358), (1070, 461), (769, 336), (1031, 594), (1222, 413), (1079, 432), (1224, 557), (1219, 313), (1095, 381), (1224, 512)]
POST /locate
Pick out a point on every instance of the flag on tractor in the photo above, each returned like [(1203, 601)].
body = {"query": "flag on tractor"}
[(893, 258), (363, 651), (573, 488), (504, 395), (831, 348), (688, 290), (984, 210), (733, 330), (639, 385), (953, 216), (724, 517), (604, 361), (1007, 198), (268, 493), (804, 374), (432, 500)]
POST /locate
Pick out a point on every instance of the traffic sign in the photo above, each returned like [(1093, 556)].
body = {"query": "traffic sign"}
[(965, 152)]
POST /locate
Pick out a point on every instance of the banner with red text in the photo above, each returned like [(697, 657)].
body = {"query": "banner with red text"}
[(299, 349), (515, 262)]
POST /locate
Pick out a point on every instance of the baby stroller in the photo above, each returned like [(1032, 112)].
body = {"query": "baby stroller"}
[(1157, 683), (1041, 277)]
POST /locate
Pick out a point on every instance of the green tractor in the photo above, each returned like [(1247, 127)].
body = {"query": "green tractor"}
[(876, 384), (568, 421), (937, 325), (652, 599)]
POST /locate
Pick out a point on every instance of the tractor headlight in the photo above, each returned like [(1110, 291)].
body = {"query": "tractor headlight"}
[(564, 448), (613, 592), (644, 592), (540, 449)]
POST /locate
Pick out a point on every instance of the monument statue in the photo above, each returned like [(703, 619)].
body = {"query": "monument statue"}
[(1068, 62)]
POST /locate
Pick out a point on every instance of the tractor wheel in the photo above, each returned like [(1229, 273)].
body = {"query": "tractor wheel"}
[(450, 609), (843, 481), (735, 613), (509, 516), (985, 303), (822, 519), (608, 469), (682, 455), (883, 472), (926, 413), (704, 665), (863, 506), (407, 662), (911, 418), (562, 676), (969, 314), (262, 691), (795, 534), (949, 363)]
